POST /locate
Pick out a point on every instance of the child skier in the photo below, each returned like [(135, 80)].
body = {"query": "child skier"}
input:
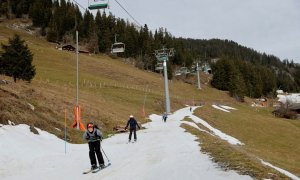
[(93, 135), (133, 123)]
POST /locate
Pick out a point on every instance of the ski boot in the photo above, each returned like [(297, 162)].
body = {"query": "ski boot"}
[(94, 167)]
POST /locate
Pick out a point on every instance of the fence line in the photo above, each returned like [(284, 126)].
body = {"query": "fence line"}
[(101, 85)]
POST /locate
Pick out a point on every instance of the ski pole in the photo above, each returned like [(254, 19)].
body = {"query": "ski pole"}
[(105, 155)]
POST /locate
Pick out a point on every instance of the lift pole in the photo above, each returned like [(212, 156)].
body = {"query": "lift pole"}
[(163, 55)]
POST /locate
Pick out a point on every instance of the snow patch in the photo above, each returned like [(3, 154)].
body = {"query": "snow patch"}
[(217, 107), (217, 132), (292, 176), (227, 107), (57, 129), (196, 126)]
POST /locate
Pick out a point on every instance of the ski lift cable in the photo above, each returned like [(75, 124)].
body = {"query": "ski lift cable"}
[(128, 7), (119, 5), (128, 13), (79, 5)]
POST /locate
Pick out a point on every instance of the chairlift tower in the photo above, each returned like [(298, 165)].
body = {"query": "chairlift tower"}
[(198, 75), (163, 55)]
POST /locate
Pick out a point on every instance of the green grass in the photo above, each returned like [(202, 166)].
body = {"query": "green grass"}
[(232, 157), (273, 139)]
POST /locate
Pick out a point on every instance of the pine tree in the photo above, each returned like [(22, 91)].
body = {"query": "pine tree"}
[(16, 61), (40, 12), (237, 86)]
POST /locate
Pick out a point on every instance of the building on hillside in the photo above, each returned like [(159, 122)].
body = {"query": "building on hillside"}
[(68, 47), (290, 101), (279, 91), (262, 102), (182, 71), (214, 60), (84, 51), (206, 68)]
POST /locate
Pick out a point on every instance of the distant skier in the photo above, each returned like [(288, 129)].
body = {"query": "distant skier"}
[(93, 135), (132, 123), (165, 116), (191, 109)]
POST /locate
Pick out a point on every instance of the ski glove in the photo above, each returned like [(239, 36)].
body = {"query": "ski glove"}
[(87, 136)]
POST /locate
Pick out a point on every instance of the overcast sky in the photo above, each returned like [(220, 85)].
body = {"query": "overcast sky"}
[(271, 26)]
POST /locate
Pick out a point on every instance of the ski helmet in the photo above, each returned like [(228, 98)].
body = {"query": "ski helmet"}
[(89, 125)]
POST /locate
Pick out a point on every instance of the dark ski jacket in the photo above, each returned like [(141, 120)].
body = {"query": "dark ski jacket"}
[(132, 123), (165, 116), (96, 135)]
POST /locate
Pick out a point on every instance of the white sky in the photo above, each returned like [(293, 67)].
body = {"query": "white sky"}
[(271, 26)]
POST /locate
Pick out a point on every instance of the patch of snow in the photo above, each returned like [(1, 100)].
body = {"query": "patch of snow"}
[(57, 129), (227, 107), (217, 132), (192, 124), (217, 107), (196, 126), (292, 176), (279, 91)]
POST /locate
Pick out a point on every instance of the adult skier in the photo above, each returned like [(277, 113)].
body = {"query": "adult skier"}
[(132, 123), (165, 116), (93, 136)]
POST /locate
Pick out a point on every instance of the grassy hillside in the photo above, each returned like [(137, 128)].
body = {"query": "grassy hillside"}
[(272, 139), (109, 89)]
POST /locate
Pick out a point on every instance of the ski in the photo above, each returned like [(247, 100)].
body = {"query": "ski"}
[(99, 168), (86, 172)]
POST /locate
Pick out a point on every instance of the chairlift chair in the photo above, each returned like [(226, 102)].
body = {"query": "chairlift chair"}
[(159, 66), (163, 54), (118, 47), (97, 4)]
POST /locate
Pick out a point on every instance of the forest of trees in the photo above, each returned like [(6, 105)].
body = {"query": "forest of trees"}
[(240, 70)]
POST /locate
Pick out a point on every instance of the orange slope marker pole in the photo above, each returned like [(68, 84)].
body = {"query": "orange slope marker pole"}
[(77, 119)]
